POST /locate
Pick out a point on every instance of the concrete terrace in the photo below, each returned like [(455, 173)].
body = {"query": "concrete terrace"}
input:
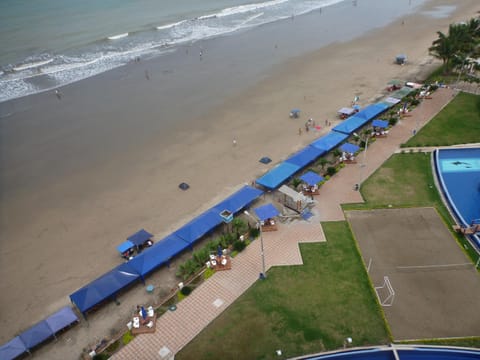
[(175, 329)]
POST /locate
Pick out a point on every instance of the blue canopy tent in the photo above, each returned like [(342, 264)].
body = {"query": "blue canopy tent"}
[(140, 237), (104, 287), (12, 349), (159, 254), (370, 111), (311, 178), (305, 156), (279, 174), (350, 148), (125, 246), (350, 125), (329, 141), (198, 227), (266, 211), (239, 200), (61, 319), (35, 335), (380, 123)]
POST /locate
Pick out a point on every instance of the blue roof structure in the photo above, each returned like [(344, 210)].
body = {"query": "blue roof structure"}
[(35, 335), (380, 123), (350, 148), (12, 349), (329, 141), (199, 226), (266, 211), (104, 287), (279, 174), (236, 202), (351, 124), (311, 178), (158, 254), (140, 237), (38, 333), (370, 111), (305, 156), (61, 319)]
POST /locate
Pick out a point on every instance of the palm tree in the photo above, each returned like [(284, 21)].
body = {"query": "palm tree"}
[(443, 48)]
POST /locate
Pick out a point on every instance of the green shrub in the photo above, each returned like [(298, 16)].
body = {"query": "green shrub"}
[(201, 256), (254, 232), (331, 170), (101, 356), (392, 121), (240, 226), (295, 182), (208, 273), (186, 290), (127, 337), (112, 347), (239, 245)]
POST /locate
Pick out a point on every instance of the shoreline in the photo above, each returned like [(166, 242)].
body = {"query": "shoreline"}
[(69, 233)]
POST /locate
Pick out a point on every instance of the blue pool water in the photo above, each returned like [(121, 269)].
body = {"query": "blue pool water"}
[(404, 353), (458, 172)]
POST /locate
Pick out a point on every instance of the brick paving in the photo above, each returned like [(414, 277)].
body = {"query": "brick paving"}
[(177, 328)]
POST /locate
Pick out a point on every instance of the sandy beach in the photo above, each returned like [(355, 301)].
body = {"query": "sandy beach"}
[(70, 194)]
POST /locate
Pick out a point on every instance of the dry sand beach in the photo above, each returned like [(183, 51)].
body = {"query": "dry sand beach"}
[(59, 232)]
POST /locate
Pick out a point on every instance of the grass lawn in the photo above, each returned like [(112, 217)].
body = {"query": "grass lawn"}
[(457, 123), (299, 309)]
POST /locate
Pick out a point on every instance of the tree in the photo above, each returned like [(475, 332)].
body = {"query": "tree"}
[(443, 49)]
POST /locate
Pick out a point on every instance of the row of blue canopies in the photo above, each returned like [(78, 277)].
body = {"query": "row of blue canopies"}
[(339, 134), (109, 284), (38, 333)]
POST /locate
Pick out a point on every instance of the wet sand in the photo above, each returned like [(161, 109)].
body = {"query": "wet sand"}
[(82, 173)]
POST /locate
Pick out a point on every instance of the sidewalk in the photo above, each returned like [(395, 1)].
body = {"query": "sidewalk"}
[(175, 329)]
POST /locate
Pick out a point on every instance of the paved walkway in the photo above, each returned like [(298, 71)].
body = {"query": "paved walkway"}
[(176, 329)]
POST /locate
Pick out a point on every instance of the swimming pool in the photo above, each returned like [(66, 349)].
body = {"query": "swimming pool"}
[(402, 352), (458, 173)]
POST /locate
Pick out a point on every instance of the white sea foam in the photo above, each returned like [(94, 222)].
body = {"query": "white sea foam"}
[(31, 65), (116, 37), (169, 26)]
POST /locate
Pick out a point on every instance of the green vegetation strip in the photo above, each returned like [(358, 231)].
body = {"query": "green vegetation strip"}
[(457, 123), (299, 309)]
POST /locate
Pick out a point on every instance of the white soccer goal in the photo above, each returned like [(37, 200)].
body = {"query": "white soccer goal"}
[(385, 292)]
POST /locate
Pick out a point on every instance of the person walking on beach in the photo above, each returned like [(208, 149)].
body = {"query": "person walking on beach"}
[(147, 75), (58, 94), (234, 142), (299, 131)]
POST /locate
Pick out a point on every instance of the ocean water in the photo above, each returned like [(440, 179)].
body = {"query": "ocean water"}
[(50, 43)]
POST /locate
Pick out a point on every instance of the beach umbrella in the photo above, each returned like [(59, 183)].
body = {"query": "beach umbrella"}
[(219, 250), (401, 59), (349, 148), (380, 123), (184, 186), (266, 211), (144, 313), (294, 113), (311, 178), (265, 160)]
